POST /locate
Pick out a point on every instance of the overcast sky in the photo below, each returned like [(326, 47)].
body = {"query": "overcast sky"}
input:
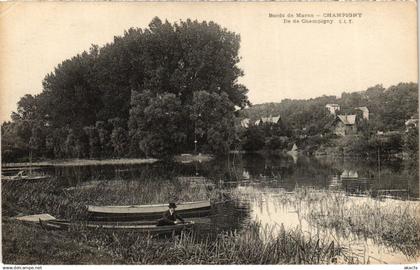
[(279, 60)]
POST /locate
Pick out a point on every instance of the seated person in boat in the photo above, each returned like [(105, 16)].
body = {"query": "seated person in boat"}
[(170, 216)]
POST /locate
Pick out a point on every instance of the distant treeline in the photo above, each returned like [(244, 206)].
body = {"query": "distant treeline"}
[(308, 123), (152, 92), (389, 108), (170, 89)]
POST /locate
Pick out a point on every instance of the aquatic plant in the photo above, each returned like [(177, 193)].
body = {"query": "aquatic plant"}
[(393, 223), (51, 197), (252, 245), (390, 222)]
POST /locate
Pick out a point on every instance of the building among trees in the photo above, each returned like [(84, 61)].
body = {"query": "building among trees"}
[(245, 123), (344, 125), (333, 108), (365, 112), (268, 120)]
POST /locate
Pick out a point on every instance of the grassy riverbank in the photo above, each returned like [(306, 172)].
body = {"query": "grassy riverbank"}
[(28, 243), (395, 224), (50, 197)]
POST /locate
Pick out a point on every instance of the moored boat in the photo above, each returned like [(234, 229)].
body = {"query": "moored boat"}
[(147, 212), (17, 169), (25, 178)]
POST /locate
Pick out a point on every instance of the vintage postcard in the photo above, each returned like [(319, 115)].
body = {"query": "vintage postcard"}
[(201, 133)]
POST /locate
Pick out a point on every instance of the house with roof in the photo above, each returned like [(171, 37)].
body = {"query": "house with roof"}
[(344, 125), (333, 108), (268, 120), (365, 112)]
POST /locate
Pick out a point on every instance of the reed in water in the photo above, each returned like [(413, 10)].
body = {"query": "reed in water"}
[(393, 223), (51, 197), (252, 245)]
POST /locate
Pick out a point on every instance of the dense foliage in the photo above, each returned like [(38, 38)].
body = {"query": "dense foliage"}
[(389, 108), (151, 92), (308, 123), (172, 88)]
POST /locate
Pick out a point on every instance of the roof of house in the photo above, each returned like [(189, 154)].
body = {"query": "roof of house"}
[(275, 119), (364, 109), (332, 105), (269, 119), (347, 119)]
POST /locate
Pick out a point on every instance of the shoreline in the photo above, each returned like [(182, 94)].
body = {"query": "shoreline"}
[(82, 162), (187, 158)]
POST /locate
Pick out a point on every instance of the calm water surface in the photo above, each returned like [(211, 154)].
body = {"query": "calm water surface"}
[(260, 180)]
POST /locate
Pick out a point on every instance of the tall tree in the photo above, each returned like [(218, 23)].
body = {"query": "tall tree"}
[(212, 116), (119, 138), (185, 66), (158, 132), (94, 142)]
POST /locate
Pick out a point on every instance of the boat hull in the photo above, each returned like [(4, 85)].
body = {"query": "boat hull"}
[(141, 227), (147, 212), (24, 178)]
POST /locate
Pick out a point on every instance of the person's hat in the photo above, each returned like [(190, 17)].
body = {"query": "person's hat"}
[(172, 205)]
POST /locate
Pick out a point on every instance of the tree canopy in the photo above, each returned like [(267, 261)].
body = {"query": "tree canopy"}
[(136, 95), (388, 108)]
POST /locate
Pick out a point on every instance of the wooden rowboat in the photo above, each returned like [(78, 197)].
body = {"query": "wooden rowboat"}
[(147, 212), (17, 169), (141, 227), (25, 178)]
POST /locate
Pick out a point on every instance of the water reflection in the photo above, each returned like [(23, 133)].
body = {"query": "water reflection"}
[(356, 177), (271, 210), (260, 183)]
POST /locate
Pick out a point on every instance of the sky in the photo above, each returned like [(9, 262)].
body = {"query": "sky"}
[(280, 60)]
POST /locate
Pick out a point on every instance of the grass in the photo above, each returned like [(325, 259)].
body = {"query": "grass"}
[(393, 223), (29, 244), (23, 244), (257, 245), (50, 197)]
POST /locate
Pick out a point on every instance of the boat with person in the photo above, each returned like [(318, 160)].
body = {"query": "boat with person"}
[(147, 212), (141, 227)]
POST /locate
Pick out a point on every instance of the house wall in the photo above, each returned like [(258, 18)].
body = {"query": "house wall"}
[(351, 129), (341, 129), (366, 115)]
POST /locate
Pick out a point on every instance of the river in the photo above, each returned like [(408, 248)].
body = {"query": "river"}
[(261, 182)]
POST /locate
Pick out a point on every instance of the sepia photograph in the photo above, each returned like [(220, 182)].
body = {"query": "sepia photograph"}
[(204, 133)]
